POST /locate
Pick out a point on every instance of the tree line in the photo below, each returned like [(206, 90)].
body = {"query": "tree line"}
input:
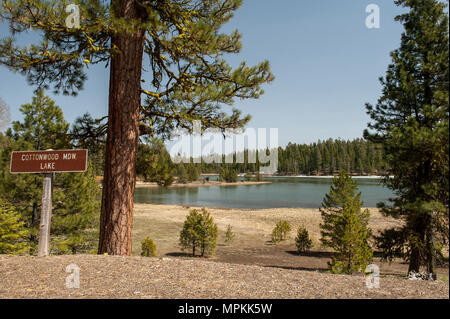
[(357, 157)]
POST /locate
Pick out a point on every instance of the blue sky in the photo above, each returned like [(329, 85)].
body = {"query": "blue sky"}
[(325, 60)]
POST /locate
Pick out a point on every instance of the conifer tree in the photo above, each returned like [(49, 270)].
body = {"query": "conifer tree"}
[(411, 121), (12, 231), (89, 133), (43, 127), (229, 234), (148, 247), (344, 227), (302, 241), (75, 224), (75, 195), (182, 175), (199, 231), (184, 51), (192, 173), (281, 231)]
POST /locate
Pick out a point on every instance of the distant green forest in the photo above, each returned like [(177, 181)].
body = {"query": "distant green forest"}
[(322, 158)]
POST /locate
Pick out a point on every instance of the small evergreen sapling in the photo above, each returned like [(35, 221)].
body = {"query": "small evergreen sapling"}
[(302, 241), (148, 247), (229, 235), (12, 231), (199, 231), (280, 232)]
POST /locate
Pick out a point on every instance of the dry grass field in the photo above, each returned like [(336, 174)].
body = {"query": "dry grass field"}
[(253, 230)]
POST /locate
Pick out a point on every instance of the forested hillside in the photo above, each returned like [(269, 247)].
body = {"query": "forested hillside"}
[(322, 158), (357, 156)]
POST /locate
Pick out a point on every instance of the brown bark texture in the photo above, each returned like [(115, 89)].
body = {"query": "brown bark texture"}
[(116, 219)]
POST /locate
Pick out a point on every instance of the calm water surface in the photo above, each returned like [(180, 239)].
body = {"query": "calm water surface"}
[(306, 192)]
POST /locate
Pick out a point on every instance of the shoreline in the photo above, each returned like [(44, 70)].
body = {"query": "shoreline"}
[(140, 184), (328, 176), (141, 205)]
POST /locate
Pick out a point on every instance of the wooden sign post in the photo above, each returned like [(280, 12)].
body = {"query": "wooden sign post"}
[(48, 163)]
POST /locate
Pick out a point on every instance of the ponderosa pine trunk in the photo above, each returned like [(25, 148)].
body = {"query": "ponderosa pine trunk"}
[(414, 260), (416, 253), (119, 180)]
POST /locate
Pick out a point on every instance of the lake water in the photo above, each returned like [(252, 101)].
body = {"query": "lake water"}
[(305, 192)]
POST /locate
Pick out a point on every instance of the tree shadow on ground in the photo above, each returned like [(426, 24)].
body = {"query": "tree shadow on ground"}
[(188, 255), (318, 269), (179, 254), (311, 253)]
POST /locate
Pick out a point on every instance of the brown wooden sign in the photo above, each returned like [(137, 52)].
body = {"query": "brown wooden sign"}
[(49, 161)]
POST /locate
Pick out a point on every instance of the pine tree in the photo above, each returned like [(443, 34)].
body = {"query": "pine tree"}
[(189, 235), (302, 241), (154, 163), (148, 247), (411, 120), (75, 195), (12, 231), (280, 231), (199, 231), (76, 210), (89, 133), (184, 52), (317, 160), (228, 175), (43, 127), (229, 234), (344, 226), (182, 174), (192, 173)]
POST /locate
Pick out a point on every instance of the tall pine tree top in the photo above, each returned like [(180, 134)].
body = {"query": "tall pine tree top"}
[(416, 82), (411, 120), (190, 79), (411, 117), (43, 126)]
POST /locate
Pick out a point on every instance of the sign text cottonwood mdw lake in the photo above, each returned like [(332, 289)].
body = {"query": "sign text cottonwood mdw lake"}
[(49, 161)]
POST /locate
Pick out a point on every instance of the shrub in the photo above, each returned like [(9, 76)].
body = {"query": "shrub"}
[(279, 233), (199, 231), (302, 241), (148, 248), (229, 235)]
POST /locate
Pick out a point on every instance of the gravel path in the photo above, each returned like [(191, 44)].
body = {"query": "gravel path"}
[(138, 277)]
